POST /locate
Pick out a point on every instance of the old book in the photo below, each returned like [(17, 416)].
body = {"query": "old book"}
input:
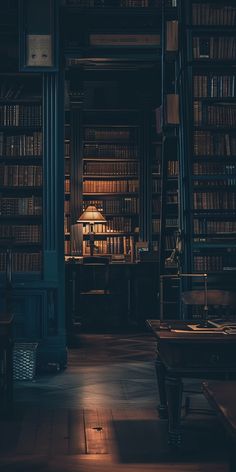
[(172, 109), (172, 33), (124, 39)]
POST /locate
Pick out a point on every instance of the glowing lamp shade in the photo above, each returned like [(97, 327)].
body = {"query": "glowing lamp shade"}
[(91, 215)]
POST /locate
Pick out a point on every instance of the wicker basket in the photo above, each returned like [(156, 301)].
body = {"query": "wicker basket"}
[(24, 361)]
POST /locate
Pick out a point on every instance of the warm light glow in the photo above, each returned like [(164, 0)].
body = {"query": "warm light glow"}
[(91, 215)]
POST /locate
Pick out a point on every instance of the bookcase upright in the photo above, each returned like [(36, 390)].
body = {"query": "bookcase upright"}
[(209, 150)]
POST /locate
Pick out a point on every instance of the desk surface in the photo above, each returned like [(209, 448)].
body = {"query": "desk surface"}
[(180, 332)]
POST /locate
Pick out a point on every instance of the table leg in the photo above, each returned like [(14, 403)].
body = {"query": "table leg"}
[(160, 373), (174, 390)]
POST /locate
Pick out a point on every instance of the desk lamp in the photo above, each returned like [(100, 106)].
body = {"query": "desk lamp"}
[(91, 215)]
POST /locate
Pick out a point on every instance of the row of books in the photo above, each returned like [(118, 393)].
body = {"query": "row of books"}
[(21, 145), (124, 39), (22, 261), (211, 13), (155, 225), (67, 185), (156, 168), (214, 47), (207, 226), (115, 3), (21, 115), (171, 222), (156, 185), (214, 168), (170, 241), (118, 224), (173, 168), (110, 186), (22, 206), (212, 263), (67, 207), (220, 114), (67, 150), (122, 205), (111, 245), (110, 168), (22, 233), (214, 144), (214, 86), (210, 200), (110, 134), (66, 223), (172, 197), (156, 205), (120, 151), (67, 166), (67, 249), (20, 176), (229, 182)]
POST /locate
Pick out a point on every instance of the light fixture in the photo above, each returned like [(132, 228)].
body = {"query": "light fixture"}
[(91, 215)]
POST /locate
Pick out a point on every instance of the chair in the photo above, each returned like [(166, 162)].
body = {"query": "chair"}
[(219, 302), (94, 294)]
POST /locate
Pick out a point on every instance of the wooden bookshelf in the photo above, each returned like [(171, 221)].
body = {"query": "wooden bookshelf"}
[(111, 180), (21, 171), (211, 164)]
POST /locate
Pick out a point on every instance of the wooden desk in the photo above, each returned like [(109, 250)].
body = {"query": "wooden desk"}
[(187, 354), (136, 284), (6, 359), (221, 396)]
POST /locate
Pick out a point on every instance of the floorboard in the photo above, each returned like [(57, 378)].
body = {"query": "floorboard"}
[(100, 415)]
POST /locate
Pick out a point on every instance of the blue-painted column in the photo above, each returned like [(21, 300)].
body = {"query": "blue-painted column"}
[(53, 347)]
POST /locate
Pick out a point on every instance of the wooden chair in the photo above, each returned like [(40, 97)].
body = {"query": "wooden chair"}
[(94, 292), (223, 302)]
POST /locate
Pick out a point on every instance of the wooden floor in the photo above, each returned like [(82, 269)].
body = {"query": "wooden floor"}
[(100, 415)]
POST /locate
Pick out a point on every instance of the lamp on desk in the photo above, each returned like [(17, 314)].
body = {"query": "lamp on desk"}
[(91, 215)]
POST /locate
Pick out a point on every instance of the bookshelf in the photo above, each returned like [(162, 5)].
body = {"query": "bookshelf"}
[(111, 179), (112, 128), (209, 165), (21, 171), (167, 121)]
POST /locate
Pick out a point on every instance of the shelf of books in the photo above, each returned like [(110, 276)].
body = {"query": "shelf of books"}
[(111, 180), (21, 172), (213, 140), (156, 194), (114, 4)]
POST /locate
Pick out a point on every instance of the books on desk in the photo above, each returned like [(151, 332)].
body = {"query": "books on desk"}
[(216, 326)]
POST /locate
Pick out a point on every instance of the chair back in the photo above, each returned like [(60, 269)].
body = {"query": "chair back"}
[(220, 303), (95, 273)]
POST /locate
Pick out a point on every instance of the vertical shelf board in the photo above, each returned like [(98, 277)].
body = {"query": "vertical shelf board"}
[(208, 196), (146, 179), (76, 162), (53, 346), (170, 149)]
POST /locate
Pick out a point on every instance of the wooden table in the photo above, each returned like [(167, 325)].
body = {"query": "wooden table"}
[(221, 396), (187, 354), (6, 359)]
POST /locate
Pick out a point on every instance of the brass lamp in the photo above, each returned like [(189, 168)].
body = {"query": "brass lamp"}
[(91, 215)]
